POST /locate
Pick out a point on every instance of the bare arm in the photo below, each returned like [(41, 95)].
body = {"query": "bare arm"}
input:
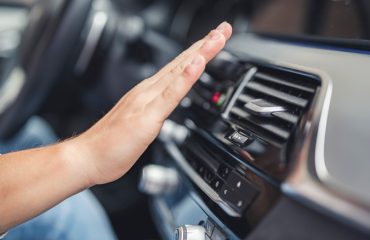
[(33, 181)]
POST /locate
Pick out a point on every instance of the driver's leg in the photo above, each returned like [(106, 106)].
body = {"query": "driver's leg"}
[(35, 133), (78, 217)]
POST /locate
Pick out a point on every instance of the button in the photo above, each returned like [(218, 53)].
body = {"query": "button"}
[(241, 185), (209, 226), (236, 181), (239, 138), (234, 198), (237, 201), (217, 183), (208, 176), (218, 235), (225, 192), (223, 171)]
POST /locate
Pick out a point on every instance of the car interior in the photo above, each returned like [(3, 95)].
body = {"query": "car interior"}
[(272, 142)]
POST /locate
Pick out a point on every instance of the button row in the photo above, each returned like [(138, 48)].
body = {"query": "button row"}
[(237, 191), (224, 171), (208, 176)]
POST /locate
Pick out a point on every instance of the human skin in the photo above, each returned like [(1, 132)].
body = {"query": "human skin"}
[(35, 180)]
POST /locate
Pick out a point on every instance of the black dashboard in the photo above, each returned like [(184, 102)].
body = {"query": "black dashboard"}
[(271, 142), (246, 142)]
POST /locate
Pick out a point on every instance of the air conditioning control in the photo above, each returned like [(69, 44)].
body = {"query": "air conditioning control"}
[(190, 232), (157, 180)]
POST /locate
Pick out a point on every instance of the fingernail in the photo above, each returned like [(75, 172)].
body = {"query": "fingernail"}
[(197, 61), (215, 35), (222, 26)]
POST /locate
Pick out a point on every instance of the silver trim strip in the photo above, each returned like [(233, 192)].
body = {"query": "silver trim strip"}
[(238, 91), (181, 161)]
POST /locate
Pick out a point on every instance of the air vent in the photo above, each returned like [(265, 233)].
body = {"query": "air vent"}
[(272, 103)]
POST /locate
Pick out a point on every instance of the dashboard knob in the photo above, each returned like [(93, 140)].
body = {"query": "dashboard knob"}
[(156, 180), (172, 131), (190, 232)]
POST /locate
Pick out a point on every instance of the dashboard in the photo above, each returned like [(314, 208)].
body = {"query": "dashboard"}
[(260, 132), (271, 143)]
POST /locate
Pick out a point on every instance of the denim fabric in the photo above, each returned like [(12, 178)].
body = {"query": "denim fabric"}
[(78, 217)]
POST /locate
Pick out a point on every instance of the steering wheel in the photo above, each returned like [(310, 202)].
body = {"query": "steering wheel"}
[(59, 38)]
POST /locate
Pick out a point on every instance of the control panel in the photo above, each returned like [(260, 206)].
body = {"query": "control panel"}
[(232, 187), (229, 143)]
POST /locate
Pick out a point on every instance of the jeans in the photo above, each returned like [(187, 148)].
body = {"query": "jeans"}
[(78, 217)]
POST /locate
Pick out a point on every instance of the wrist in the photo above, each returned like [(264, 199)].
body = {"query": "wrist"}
[(77, 160)]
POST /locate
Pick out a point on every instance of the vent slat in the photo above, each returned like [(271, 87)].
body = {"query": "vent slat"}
[(286, 117), (239, 112), (300, 102), (283, 134), (271, 79), (245, 98)]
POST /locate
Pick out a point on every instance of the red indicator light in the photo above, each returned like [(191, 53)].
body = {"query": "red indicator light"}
[(216, 97)]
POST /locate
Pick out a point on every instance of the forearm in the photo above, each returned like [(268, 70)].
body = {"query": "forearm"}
[(33, 181)]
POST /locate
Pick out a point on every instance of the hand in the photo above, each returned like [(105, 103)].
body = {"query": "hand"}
[(110, 147)]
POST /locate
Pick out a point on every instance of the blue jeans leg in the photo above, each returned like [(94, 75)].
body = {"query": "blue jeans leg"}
[(78, 217)]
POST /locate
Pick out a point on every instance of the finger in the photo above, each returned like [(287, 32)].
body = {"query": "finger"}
[(224, 28), (208, 50), (169, 98)]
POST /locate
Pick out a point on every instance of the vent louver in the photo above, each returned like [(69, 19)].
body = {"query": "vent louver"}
[(273, 102)]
